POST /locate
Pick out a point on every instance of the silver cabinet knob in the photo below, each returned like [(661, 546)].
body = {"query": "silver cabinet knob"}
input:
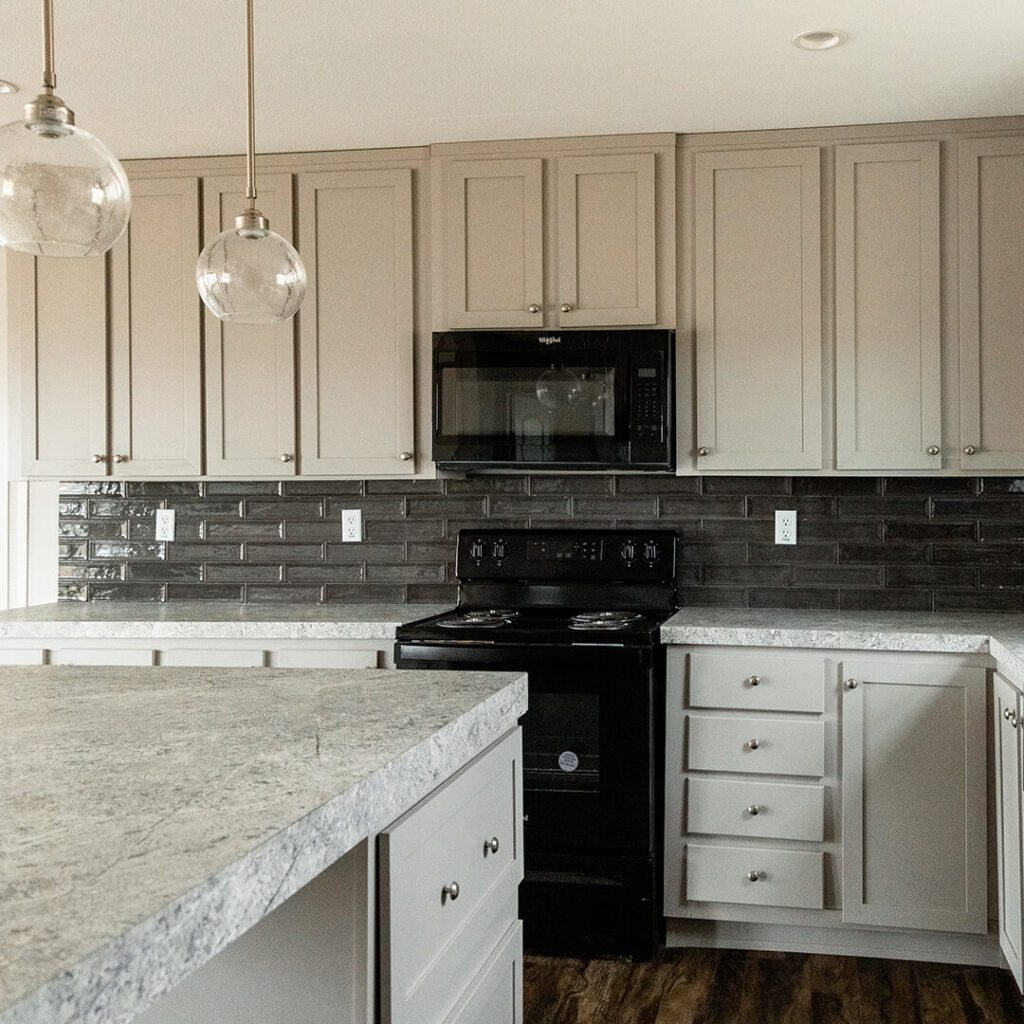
[(1011, 716), (753, 744), (754, 681), (565, 307), (405, 456), (969, 449), (533, 307), (286, 457), (703, 451), (753, 810), (851, 684), (933, 449), (753, 876), (120, 458), (451, 891), (99, 458), (491, 845)]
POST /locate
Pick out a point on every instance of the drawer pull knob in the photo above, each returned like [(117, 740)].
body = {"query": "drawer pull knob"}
[(491, 845), (753, 810), (533, 308), (753, 876), (969, 449), (851, 684), (754, 681), (1011, 716), (753, 744), (565, 307), (451, 891), (99, 458)]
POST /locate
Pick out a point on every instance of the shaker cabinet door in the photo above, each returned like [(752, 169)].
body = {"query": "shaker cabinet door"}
[(1006, 732), (250, 368)]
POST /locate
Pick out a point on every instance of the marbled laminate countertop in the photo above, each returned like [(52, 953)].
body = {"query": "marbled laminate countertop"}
[(209, 620), (1000, 636), (150, 816)]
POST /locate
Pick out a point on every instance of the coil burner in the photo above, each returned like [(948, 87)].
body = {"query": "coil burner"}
[(604, 620), (484, 618)]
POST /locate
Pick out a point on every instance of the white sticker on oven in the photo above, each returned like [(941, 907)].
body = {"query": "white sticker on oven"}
[(568, 761)]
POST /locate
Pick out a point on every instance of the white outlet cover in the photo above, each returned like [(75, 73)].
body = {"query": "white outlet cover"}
[(351, 525), (785, 526), (165, 524)]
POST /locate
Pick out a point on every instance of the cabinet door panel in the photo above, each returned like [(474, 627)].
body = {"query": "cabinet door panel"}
[(156, 408), (250, 368), (913, 782), (495, 995), (768, 746), (355, 325), (494, 258), (606, 240), (58, 331), (1007, 757), (991, 302), (888, 387), (758, 309)]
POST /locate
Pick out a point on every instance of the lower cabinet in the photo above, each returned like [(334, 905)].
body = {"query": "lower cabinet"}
[(450, 945), (1007, 708)]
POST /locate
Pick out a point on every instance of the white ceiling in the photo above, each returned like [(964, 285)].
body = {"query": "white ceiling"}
[(167, 78)]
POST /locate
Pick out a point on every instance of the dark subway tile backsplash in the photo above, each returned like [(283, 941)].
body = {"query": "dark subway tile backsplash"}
[(944, 544)]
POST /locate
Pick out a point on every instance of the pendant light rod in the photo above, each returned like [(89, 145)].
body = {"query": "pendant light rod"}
[(49, 75), (250, 161)]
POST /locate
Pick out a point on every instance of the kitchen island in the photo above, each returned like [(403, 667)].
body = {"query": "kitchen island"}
[(152, 816)]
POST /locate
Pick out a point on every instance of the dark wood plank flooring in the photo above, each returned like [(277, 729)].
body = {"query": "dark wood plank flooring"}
[(707, 986)]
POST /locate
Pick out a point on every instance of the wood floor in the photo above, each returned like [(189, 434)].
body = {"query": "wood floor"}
[(697, 986)]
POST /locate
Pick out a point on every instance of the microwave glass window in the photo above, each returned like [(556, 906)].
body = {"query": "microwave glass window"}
[(528, 405)]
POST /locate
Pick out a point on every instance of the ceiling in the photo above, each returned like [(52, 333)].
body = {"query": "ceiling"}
[(166, 79)]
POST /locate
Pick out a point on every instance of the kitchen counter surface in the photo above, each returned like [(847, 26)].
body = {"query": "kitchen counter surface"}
[(209, 620), (1001, 636), (150, 816)]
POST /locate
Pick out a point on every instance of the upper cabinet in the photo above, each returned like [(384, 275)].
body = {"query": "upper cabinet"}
[(991, 211), (888, 353), (757, 265), (557, 238)]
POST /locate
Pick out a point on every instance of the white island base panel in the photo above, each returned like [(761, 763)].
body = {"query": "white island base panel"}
[(152, 816)]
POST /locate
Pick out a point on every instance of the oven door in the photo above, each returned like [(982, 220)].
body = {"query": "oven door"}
[(590, 741)]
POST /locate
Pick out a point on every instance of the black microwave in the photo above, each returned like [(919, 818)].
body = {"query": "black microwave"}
[(557, 400)]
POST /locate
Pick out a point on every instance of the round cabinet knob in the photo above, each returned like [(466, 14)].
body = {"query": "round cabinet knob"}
[(969, 449), (120, 458), (491, 845), (99, 458), (753, 744), (754, 681), (405, 456), (703, 451), (753, 810), (451, 891), (753, 876), (934, 449), (851, 684), (565, 307), (1006, 713), (286, 457), (534, 308)]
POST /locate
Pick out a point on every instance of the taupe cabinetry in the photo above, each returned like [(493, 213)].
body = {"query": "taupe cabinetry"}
[(250, 369), (991, 211), (888, 387), (356, 323), (585, 255), (1007, 709), (757, 227), (914, 795), (144, 417), (450, 943)]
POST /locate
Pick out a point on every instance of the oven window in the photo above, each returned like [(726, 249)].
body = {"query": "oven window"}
[(561, 744)]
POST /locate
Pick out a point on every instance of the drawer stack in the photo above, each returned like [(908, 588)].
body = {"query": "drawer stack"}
[(745, 791)]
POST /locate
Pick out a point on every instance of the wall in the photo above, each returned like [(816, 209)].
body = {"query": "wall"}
[(863, 543)]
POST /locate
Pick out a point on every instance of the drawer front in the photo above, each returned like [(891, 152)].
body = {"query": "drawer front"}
[(757, 681), (495, 996), (432, 944), (767, 746), (759, 810), (726, 874)]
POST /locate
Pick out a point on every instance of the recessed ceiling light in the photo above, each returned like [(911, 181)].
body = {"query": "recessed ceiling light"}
[(7, 86), (817, 39)]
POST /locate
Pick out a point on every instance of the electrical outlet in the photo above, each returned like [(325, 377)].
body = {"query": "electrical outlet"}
[(785, 526), (165, 524), (351, 525)]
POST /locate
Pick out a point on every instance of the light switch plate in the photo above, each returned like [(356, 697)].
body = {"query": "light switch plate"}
[(165, 524), (351, 525)]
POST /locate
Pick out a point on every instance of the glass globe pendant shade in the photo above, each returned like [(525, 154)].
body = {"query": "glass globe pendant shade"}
[(62, 192), (250, 274)]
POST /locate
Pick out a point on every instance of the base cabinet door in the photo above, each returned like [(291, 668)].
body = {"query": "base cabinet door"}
[(914, 795), (495, 996), (1006, 733)]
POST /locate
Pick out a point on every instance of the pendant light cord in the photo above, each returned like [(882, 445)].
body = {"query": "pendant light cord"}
[(49, 75), (250, 163)]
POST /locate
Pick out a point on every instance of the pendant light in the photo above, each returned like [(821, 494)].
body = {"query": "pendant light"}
[(250, 274), (62, 192)]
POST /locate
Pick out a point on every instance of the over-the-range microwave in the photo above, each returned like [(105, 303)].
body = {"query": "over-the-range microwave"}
[(555, 400)]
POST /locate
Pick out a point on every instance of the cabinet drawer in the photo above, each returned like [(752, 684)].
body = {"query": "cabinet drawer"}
[(757, 681), (429, 941), (495, 995), (769, 746), (761, 810), (784, 878)]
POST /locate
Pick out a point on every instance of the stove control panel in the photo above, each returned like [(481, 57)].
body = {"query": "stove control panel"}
[(646, 556)]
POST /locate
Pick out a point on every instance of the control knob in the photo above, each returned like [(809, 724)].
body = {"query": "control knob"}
[(499, 550), (651, 551), (628, 551), (476, 550)]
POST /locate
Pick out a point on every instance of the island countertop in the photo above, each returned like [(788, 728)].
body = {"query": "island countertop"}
[(153, 815)]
